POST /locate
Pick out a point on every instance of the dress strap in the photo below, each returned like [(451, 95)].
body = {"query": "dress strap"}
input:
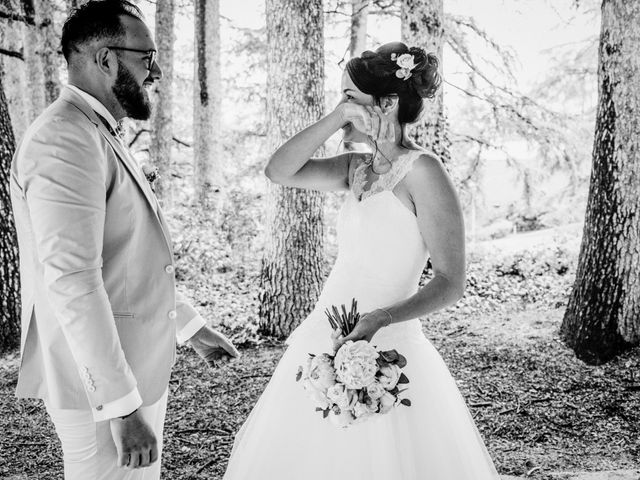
[(388, 181), (400, 169)]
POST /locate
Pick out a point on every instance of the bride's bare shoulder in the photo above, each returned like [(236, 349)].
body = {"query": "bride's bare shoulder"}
[(428, 172)]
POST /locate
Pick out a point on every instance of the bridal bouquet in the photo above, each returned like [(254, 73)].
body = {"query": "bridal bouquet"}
[(359, 381)]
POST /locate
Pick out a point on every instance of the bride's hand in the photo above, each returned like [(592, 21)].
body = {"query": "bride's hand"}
[(365, 329), (370, 120), (383, 128), (356, 115)]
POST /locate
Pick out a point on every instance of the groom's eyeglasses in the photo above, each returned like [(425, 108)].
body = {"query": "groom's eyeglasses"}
[(150, 60)]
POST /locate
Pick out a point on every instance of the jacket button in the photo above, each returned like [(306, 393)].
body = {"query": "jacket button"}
[(91, 388), (99, 407), (172, 315), (169, 269)]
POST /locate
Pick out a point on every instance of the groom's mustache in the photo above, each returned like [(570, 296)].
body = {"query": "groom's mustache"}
[(149, 81)]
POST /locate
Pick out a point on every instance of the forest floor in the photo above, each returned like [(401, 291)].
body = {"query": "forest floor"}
[(540, 410)]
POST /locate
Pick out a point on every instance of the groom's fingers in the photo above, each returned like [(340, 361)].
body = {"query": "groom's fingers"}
[(134, 459), (145, 458), (123, 458), (153, 455), (218, 357)]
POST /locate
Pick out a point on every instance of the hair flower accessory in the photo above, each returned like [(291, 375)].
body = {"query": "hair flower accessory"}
[(406, 64)]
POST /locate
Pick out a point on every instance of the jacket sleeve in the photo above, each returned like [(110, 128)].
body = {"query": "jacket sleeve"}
[(64, 175), (188, 321)]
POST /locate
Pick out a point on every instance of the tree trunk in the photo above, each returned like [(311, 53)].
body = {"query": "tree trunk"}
[(50, 40), (9, 267), (422, 24), (292, 273), (359, 13), (35, 73), (161, 141), (15, 75), (208, 177), (603, 313)]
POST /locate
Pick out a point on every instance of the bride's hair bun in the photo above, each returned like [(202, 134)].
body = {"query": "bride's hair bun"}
[(385, 72), (425, 78)]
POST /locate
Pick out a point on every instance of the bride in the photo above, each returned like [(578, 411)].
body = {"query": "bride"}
[(402, 208)]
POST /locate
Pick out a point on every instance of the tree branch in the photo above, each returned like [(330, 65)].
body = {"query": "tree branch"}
[(181, 142), (12, 53), (136, 137), (29, 20)]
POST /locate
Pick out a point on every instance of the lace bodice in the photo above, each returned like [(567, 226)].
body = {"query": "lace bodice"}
[(362, 186)]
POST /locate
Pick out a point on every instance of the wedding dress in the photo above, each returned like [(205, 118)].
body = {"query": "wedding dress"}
[(380, 260)]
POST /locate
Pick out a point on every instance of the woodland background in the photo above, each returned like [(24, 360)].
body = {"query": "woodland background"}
[(542, 342)]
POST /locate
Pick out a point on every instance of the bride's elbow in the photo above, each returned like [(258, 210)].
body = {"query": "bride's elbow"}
[(458, 291), (457, 288), (272, 174), (268, 171)]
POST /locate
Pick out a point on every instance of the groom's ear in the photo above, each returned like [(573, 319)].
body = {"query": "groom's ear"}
[(107, 61), (389, 103)]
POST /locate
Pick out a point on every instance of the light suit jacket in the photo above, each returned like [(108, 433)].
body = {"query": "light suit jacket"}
[(99, 305)]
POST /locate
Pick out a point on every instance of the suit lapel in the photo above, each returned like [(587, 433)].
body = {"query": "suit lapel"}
[(125, 157)]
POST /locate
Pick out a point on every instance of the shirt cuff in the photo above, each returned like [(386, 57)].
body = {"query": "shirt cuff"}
[(190, 329), (118, 408)]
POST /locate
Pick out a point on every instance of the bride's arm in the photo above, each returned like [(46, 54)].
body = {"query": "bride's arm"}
[(442, 227), (291, 165)]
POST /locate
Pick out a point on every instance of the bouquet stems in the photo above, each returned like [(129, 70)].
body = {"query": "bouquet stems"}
[(343, 322)]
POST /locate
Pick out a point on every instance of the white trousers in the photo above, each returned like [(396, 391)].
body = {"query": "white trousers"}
[(89, 451)]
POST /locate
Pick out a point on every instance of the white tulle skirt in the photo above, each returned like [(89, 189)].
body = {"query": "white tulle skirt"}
[(284, 438)]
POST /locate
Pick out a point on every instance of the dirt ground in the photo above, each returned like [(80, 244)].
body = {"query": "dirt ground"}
[(539, 409)]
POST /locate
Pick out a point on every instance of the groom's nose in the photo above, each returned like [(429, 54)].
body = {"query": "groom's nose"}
[(156, 71)]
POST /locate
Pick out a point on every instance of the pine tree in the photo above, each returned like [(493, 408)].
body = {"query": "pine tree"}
[(422, 23), (291, 275), (208, 178), (603, 313), (162, 137)]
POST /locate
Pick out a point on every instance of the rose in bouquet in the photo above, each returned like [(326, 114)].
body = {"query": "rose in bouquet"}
[(358, 381)]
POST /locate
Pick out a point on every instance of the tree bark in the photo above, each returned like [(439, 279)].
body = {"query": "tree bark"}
[(33, 51), (50, 40), (359, 14), (422, 23), (208, 175), (9, 265), (15, 74), (602, 317), (292, 273), (162, 139)]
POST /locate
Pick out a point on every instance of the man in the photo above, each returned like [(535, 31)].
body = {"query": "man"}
[(100, 311)]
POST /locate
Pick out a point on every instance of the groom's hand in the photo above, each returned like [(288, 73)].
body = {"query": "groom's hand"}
[(135, 442), (213, 346)]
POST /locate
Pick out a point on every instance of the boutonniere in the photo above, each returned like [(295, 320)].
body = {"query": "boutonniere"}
[(151, 173)]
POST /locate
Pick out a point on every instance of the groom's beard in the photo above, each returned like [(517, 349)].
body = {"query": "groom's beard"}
[(132, 97)]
